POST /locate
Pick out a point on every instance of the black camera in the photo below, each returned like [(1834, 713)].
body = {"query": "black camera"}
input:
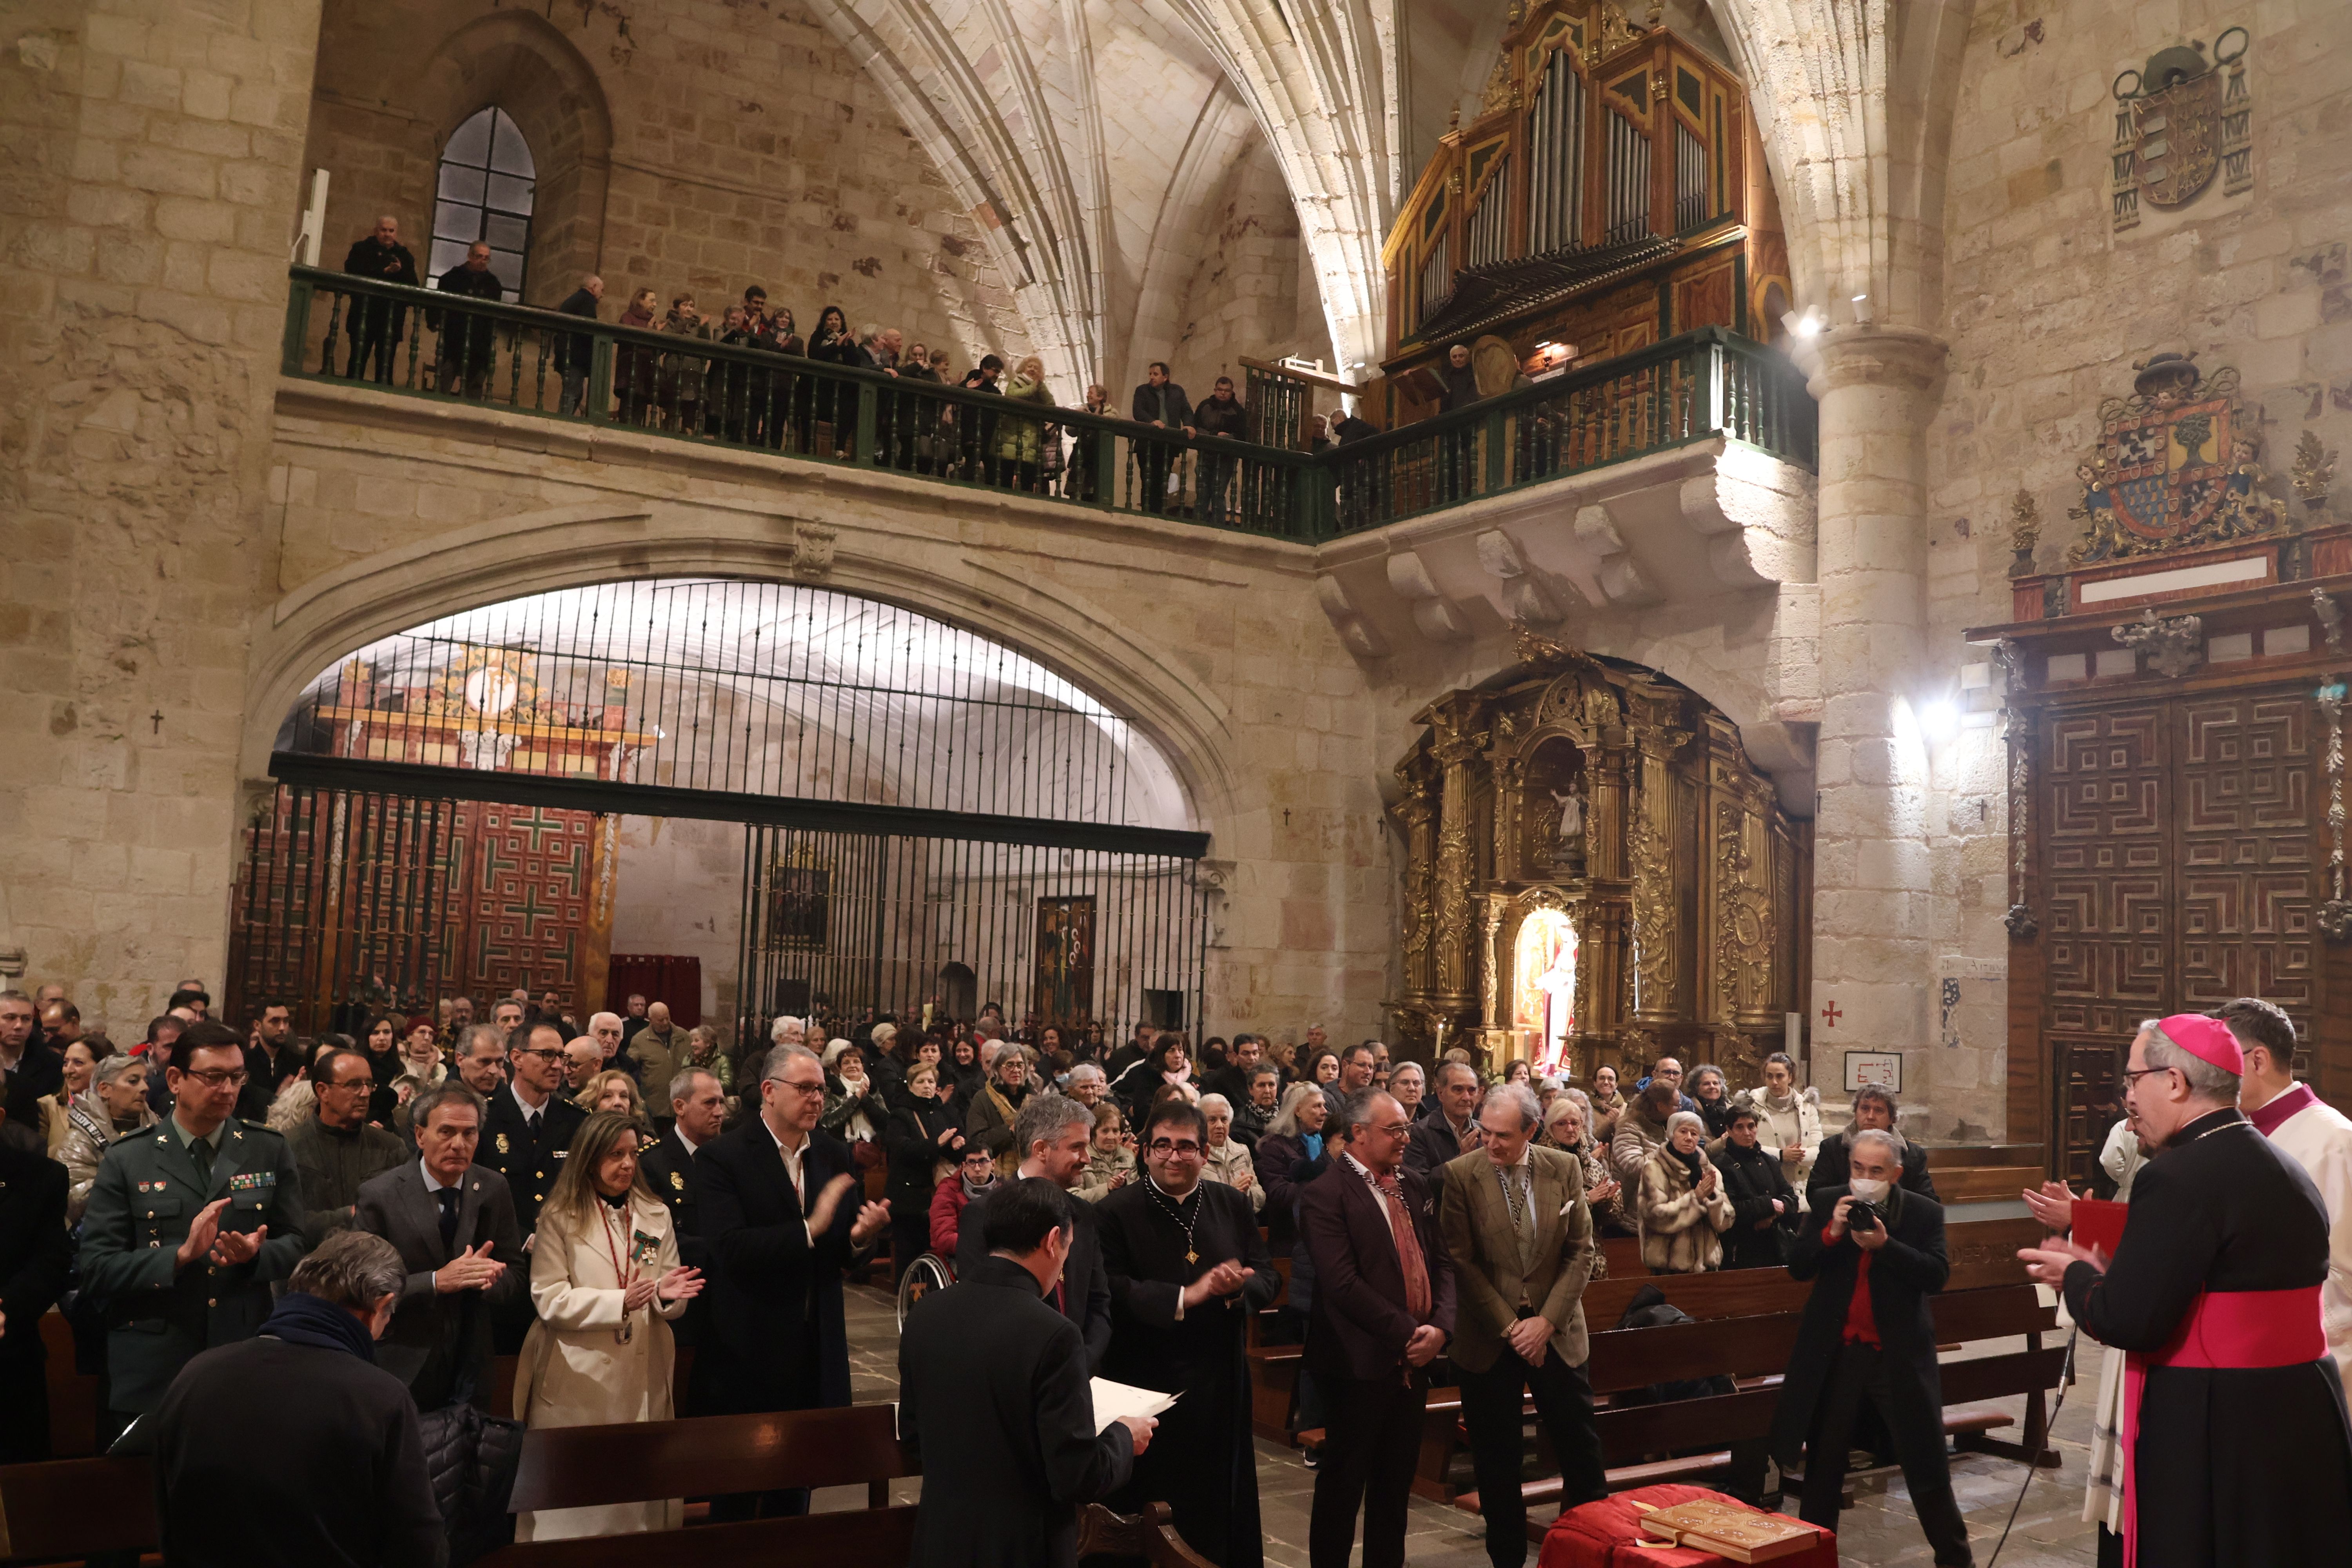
[(1861, 1215)]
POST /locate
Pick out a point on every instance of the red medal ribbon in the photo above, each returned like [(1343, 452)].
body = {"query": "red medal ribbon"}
[(2230, 1330)]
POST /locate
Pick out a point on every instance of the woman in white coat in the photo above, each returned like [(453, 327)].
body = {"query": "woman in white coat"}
[(607, 1284), (1787, 1121)]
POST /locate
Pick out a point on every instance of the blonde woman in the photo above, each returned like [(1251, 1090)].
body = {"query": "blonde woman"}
[(616, 1093), (1684, 1208), (1020, 442), (607, 1285)]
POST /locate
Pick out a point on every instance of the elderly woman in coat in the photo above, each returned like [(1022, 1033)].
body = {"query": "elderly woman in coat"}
[(1228, 1162), (996, 1104), (607, 1284), (1682, 1208), (113, 1106)]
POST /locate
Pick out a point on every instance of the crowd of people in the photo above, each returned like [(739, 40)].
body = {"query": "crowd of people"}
[(1020, 446), (438, 1190)]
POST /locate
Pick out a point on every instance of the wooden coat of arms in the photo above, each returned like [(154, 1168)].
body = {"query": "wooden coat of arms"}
[(2174, 466)]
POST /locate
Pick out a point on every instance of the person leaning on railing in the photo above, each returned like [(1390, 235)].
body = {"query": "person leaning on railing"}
[(633, 367), (1019, 440), (1221, 415), (468, 343), (678, 386), (1160, 403)]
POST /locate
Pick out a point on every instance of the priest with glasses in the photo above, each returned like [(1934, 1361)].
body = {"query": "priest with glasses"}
[(1188, 1270)]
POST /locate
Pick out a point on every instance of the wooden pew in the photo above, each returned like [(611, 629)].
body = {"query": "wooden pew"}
[(73, 1508), (73, 1397)]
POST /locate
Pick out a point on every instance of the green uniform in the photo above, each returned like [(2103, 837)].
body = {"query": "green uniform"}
[(147, 1194)]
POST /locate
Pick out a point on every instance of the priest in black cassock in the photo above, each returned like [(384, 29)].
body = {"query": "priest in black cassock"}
[(1188, 1269), (2239, 1454)]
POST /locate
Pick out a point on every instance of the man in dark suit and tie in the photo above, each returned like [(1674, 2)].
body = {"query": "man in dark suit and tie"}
[(453, 1222), (698, 1105), (1383, 1311), (527, 1129), (779, 1210), (993, 1392), (1055, 1133)]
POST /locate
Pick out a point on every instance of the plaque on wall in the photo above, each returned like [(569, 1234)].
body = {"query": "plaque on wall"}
[(1878, 1069)]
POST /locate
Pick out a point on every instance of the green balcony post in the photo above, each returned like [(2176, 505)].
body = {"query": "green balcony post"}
[(599, 400), (1497, 453), (298, 327), (1106, 475), (868, 400)]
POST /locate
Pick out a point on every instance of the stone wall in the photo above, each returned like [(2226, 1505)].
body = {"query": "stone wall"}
[(702, 146), (678, 890), (153, 150), (2047, 305), (1244, 295)]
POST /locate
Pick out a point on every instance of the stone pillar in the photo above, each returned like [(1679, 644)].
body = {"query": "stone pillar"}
[(1872, 962), (157, 153)]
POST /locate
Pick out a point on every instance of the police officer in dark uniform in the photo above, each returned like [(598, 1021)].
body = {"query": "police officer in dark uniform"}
[(525, 1137), (188, 1226)]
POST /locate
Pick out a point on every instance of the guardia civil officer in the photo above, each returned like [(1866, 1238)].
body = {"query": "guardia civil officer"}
[(188, 1226)]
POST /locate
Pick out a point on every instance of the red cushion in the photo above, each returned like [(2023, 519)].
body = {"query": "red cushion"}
[(1601, 1535)]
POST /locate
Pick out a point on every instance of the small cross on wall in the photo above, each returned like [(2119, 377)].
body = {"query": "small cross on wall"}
[(1830, 1015), (156, 719)]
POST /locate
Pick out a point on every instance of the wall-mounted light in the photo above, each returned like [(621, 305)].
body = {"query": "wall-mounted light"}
[(1940, 721), (1862, 312), (1805, 326)]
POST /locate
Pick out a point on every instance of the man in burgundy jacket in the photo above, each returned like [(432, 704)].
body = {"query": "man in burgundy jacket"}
[(1383, 1309)]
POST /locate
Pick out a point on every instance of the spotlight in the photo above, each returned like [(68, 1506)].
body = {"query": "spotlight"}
[(1861, 313), (1940, 721), (1805, 326)]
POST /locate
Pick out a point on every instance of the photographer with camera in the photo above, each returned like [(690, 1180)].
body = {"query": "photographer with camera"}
[(1875, 1253)]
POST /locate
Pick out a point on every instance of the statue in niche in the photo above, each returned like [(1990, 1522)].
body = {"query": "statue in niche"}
[(1568, 835)]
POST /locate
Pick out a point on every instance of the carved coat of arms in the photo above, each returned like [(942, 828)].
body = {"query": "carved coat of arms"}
[(2179, 120), (2174, 466)]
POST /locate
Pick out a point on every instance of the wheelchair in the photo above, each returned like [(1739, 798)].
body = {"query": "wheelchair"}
[(928, 1273)]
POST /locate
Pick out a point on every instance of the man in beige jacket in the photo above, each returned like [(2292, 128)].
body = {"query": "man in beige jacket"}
[(1519, 1233)]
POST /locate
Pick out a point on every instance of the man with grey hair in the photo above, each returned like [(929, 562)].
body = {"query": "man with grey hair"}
[(780, 1208), (292, 1447), (1521, 1238), (2240, 1450), (1875, 1253), (1052, 1132), (1873, 1107), (1440, 1140)]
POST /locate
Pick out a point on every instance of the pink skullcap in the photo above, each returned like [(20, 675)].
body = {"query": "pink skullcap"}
[(2207, 1039)]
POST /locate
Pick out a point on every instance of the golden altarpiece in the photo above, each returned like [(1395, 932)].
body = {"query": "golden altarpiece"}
[(1596, 872)]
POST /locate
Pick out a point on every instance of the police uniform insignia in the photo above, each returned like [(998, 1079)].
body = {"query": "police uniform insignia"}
[(502, 1143), (678, 1181), (561, 1153)]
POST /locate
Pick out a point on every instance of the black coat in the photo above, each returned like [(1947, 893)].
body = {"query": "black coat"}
[(1904, 1273), (777, 1339), (1431, 1146), (1085, 1288), (1752, 1178), (574, 353), (273, 1455), (1168, 406), (470, 336), (2235, 1466), (1831, 1165), (993, 1391), (372, 318), (35, 1252), (670, 1170), (911, 1139)]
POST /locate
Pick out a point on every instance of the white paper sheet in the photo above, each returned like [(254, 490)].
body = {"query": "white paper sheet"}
[(1113, 1400)]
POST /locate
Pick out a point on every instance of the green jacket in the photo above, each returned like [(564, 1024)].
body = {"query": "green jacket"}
[(146, 1194)]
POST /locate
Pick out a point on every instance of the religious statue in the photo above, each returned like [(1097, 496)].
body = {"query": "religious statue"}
[(1571, 822)]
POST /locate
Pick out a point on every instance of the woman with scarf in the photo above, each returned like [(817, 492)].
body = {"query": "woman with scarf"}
[(606, 1283), (1565, 1124), (633, 367), (1708, 1087), (1788, 1123), (113, 1106), (925, 1145), (854, 1109), (1683, 1206), (960, 1068), (1763, 1204), (1165, 1064), (836, 402), (1290, 1155), (997, 1104), (1020, 441)]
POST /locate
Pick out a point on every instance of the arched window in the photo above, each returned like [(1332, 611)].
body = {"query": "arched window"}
[(486, 180)]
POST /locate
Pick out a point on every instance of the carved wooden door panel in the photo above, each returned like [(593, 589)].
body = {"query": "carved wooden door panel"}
[(2107, 875), (2248, 865)]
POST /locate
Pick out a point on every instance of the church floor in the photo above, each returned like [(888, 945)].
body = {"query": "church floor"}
[(1879, 1530)]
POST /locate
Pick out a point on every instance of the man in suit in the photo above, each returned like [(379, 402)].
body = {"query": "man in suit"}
[(453, 1222), (1519, 1236), (1383, 1311), (35, 1256), (779, 1215), (526, 1132), (994, 1395), (1867, 1339), (1441, 1139), (1055, 1133), (698, 1105), (187, 1227)]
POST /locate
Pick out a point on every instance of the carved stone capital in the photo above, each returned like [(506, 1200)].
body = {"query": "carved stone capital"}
[(1904, 359)]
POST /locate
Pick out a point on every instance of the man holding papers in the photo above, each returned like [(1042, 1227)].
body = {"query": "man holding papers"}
[(994, 1395)]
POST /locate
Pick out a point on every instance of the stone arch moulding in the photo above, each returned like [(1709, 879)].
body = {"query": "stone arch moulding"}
[(574, 546), (520, 62)]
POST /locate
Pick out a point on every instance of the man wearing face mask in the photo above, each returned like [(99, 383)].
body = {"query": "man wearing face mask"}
[(1875, 1253)]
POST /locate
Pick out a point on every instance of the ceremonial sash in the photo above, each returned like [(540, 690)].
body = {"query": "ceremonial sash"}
[(2231, 1329)]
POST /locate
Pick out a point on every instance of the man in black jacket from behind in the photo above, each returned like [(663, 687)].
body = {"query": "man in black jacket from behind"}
[(1868, 1340), (294, 1449), (994, 1393)]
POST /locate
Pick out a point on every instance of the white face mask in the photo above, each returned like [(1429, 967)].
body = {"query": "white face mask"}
[(1867, 1189)]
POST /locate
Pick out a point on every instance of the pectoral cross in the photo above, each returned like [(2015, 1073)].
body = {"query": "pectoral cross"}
[(1191, 1257)]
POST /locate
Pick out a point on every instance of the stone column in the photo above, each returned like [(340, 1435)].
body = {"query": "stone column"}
[(1872, 926)]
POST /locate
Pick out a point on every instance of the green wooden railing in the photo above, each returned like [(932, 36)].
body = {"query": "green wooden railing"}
[(421, 343)]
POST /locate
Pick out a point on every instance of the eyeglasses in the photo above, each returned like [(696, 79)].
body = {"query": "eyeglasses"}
[(234, 1077), (1171, 1146), (545, 1055), (817, 1087), (367, 1083), (2136, 1074), (1390, 1130)]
